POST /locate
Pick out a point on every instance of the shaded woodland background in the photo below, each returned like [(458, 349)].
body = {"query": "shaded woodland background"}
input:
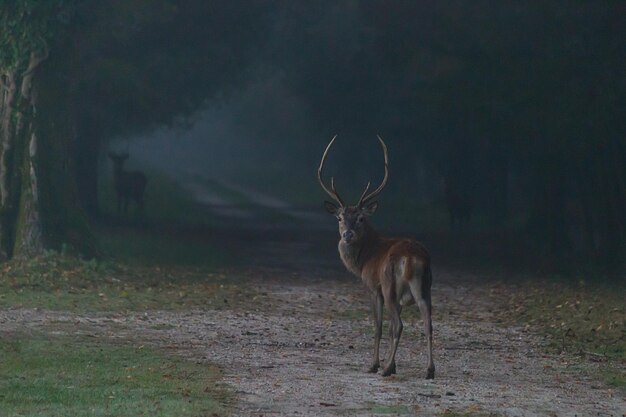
[(507, 117)]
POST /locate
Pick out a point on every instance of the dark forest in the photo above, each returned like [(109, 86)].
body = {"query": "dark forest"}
[(157, 144)]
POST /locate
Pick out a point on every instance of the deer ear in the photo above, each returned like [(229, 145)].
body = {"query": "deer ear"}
[(331, 208), (370, 208)]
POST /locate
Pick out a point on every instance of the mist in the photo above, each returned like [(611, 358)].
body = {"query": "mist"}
[(495, 107)]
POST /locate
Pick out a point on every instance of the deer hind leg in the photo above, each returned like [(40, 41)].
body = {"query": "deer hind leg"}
[(395, 332), (422, 297), (377, 306)]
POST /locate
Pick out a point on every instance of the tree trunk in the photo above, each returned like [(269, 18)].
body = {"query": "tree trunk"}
[(9, 83), (39, 202)]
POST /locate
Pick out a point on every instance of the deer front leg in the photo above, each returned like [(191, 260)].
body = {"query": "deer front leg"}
[(396, 331), (377, 307)]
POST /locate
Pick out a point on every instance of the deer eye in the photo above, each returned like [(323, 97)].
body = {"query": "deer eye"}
[(361, 219)]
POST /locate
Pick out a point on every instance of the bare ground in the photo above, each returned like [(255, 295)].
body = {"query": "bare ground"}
[(299, 343), (301, 346)]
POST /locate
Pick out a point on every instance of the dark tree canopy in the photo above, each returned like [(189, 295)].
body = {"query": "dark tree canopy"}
[(520, 103), (78, 72), (517, 108)]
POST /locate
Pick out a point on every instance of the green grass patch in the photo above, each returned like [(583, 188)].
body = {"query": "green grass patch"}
[(76, 377), (165, 202), (583, 318), (62, 282), (614, 377), (158, 246), (174, 230), (580, 317)]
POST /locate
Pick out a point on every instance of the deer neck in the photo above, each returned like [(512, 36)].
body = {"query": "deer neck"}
[(356, 254)]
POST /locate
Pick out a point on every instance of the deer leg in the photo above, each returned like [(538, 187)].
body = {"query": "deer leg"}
[(377, 306), (396, 331), (421, 295), (425, 307)]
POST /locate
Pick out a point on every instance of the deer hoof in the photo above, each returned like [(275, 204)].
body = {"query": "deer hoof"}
[(430, 374), (390, 370)]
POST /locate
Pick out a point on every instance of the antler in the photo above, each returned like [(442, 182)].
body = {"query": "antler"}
[(330, 191), (367, 197)]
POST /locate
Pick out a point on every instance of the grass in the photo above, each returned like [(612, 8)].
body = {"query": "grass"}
[(579, 319), (174, 230), (61, 282), (614, 377), (165, 202), (156, 246), (50, 377), (582, 318), (147, 267), (169, 203)]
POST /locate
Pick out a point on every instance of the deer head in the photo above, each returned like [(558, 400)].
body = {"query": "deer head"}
[(118, 160), (352, 219)]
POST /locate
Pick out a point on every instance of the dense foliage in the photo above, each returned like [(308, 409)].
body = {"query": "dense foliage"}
[(78, 72), (517, 108)]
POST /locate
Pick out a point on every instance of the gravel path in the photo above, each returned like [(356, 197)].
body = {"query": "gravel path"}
[(301, 346)]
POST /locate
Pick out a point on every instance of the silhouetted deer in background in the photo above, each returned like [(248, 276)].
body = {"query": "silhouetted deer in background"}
[(128, 184)]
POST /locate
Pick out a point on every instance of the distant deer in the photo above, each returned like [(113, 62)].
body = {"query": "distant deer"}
[(128, 184), (396, 271)]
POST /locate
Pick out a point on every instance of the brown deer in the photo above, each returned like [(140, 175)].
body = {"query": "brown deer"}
[(396, 271), (128, 184)]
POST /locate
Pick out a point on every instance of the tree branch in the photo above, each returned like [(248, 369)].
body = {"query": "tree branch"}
[(35, 60)]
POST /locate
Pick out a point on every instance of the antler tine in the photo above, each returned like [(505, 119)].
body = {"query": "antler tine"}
[(367, 187), (364, 199), (330, 191)]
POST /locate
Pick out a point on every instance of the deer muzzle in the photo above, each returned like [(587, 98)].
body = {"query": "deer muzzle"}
[(347, 236)]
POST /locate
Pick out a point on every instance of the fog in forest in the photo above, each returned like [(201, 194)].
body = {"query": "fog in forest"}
[(506, 115)]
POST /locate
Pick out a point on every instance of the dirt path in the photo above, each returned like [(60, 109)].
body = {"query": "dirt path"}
[(301, 351), (301, 344), (300, 347)]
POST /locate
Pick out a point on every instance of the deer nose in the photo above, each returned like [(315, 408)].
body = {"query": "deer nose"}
[(348, 235)]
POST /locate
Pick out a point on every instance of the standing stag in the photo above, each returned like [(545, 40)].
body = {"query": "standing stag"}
[(128, 184), (396, 271)]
